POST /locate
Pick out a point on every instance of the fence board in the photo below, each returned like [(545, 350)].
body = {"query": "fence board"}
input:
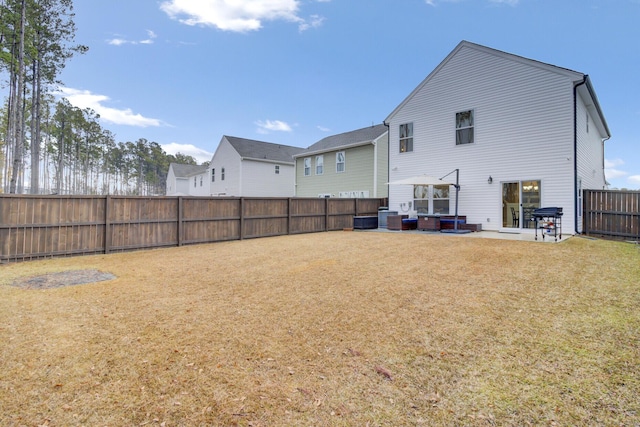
[(33, 227), (612, 213)]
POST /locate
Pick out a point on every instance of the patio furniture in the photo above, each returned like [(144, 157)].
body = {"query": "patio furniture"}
[(515, 221), (394, 222), (429, 222), (365, 222)]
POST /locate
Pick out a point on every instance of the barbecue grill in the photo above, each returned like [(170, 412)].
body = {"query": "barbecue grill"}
[(549, 221)]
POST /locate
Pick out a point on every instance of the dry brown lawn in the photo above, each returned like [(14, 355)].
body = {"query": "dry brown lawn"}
[(328, 329)]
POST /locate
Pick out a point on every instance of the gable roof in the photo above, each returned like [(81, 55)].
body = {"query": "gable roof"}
[(259, 150), (579, 79), (184, 171), (347, 139)]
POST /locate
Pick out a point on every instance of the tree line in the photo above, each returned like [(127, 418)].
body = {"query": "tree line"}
[(46, 144)]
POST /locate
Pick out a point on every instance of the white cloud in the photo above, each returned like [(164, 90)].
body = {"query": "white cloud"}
[(266, 126), (199, 154), (85, 99), (634, 181), (434, 3), (237, 15), (120, 41), (324, 129), (611, 169), (315, 21), (508, 2)]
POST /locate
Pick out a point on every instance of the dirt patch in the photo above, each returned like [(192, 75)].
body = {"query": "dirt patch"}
[(65, 278)]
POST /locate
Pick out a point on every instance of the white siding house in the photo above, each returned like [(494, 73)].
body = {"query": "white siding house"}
[(523, 134), (187, 180), (248, 168), (351, 164)]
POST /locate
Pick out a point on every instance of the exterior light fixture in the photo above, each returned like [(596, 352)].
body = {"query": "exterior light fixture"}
[(490, 180)]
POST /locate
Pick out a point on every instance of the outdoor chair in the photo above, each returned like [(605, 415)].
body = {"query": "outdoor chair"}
[(514, 218)]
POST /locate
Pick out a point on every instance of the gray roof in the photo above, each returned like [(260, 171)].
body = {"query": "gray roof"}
[(355, 137), (260, 150), (183, 171)]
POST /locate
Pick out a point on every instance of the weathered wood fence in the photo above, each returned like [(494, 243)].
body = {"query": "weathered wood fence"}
[(612, 213), (33, 227)]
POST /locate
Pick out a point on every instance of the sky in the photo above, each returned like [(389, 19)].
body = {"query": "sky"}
[(183, 73)]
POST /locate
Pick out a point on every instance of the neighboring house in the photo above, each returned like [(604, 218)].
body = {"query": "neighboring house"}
[(187, 180), (352, 164), (523, 134), (247, 168)]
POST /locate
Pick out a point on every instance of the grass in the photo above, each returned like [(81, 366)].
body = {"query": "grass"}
[(335, 329)]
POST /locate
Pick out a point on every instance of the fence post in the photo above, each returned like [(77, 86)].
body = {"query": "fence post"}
[(326, 214), (107, 224), (180, 230), (289, 204), (241, 209)]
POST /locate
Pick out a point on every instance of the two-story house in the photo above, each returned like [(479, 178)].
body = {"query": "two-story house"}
[(351, 164), (187, 180), (248, 168), (522, 133)]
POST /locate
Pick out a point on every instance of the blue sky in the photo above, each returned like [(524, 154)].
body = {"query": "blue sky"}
[(183, 73)]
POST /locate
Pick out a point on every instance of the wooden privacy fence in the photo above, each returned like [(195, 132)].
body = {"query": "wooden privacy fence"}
[(612, 213), (33, 227)]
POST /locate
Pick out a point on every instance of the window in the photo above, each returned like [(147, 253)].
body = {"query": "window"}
[(222, 174), (200, 180), (464, 127), (307, 166), (587, 114), (319, 165), (277, 169), (195, 181), (340, 161), (431, 199), (441, 199), (213, 175), (406, 137)]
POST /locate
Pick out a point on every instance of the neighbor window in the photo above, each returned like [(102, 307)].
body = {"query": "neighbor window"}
[(406, 137), (431, 199), (464, 127), (213, 175), (195, 181), (319, 165), (340, 161), (222, 174), (277, 169), (200, 180), (307, 166)]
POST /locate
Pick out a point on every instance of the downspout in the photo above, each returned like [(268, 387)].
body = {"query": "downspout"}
[(384, 122), (375, 168), (575, 152)]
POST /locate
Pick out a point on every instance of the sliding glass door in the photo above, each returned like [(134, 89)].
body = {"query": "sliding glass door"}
[(519, 200)]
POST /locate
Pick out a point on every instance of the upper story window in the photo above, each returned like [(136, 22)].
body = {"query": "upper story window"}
[(213, 175), (587, 122), (307, 166), (406, 137), (195, 181), (340, 161), (222, 174), (200, 180), (319, 165), (277, 169), (464, 127)]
